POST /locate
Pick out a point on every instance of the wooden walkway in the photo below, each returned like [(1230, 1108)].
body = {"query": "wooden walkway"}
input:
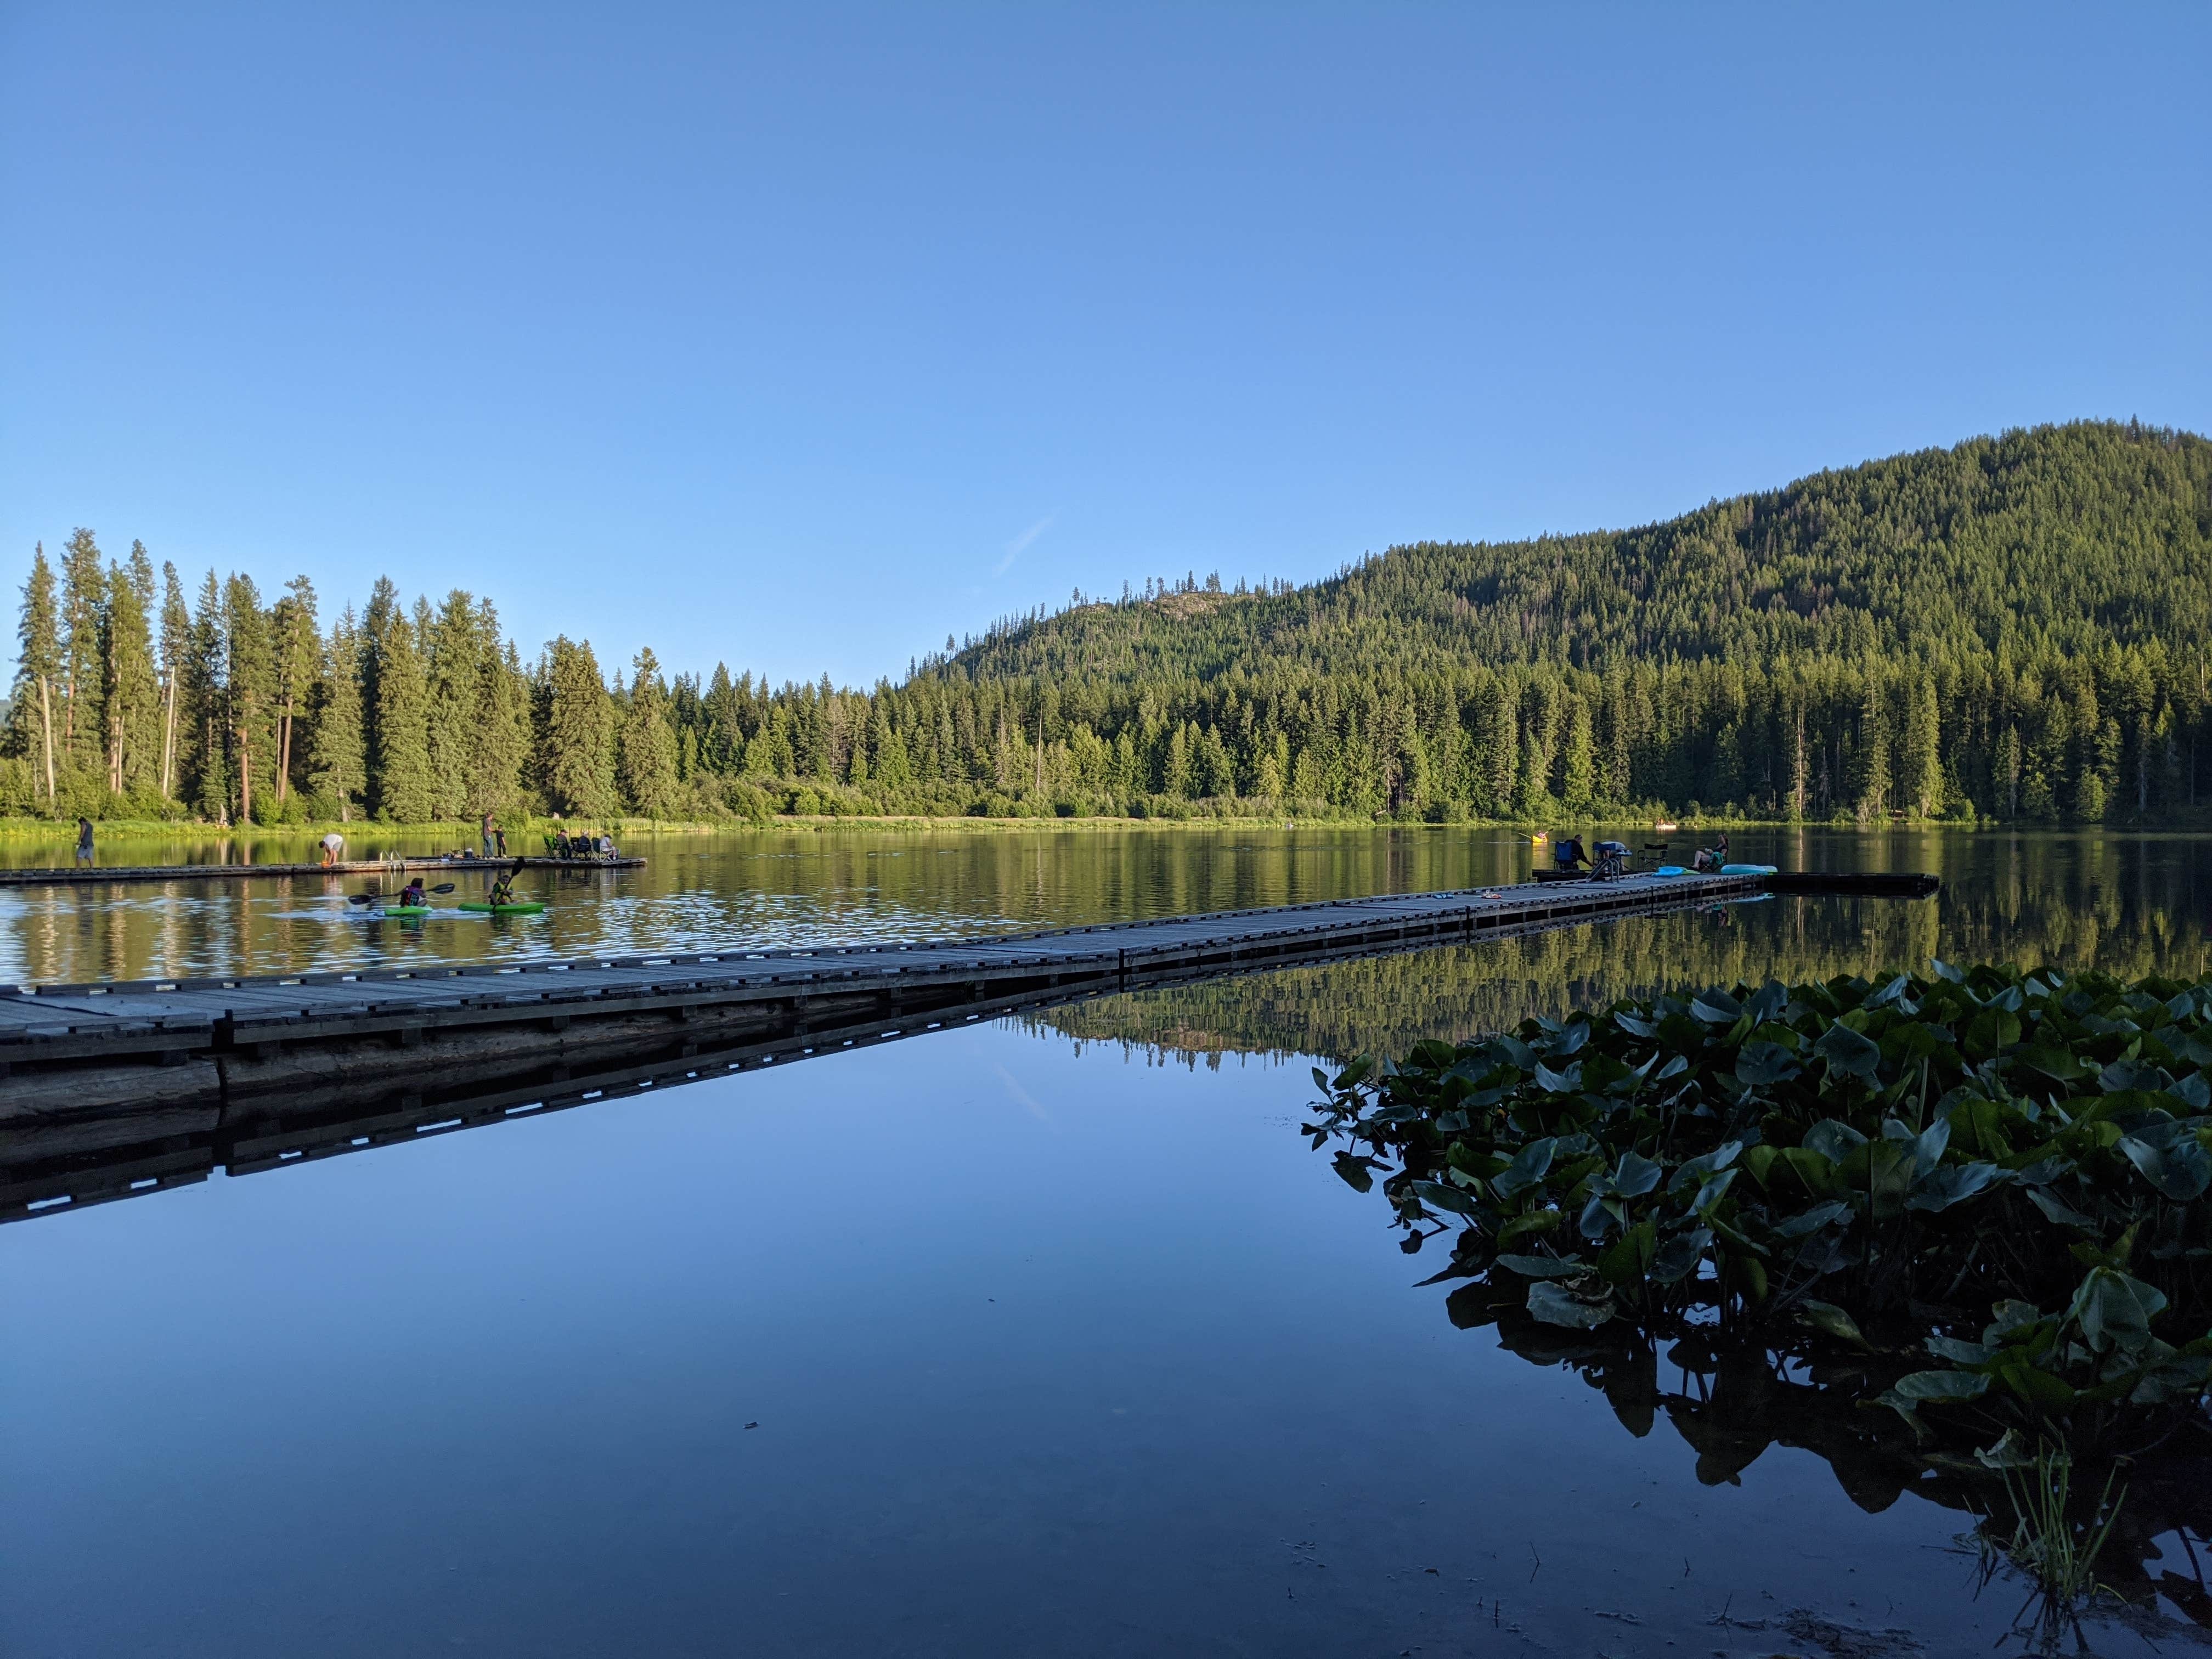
[(92, 875), (110, 1089)]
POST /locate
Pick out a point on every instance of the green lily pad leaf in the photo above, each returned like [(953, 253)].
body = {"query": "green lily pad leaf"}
[(1354, 1169), (2056, 1209), (2055, 1063), (1959, 1353), (2010, 1452), (1565, 1082), (1811, 1221), (1952, 1184), (1827, 1317), (2180, 1169), (1443, 1196), (1949, 1387), (1851, 1053), (1527, 1168), (1555, 1306), (2115, 1310), (1716, 1008), (1571, 1040), (1678, 1257), (1637, 1175), (1833, 1140), (1761, 1064), (1543, 1267)]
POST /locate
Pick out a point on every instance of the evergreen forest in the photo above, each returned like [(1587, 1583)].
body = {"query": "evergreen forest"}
[(2012, 630)]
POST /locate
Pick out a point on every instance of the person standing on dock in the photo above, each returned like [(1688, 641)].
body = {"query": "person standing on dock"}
[(486, 827), (333, 849), (84, 840)]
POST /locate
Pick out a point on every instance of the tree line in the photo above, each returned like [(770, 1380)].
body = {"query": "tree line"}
[(2054, 670)]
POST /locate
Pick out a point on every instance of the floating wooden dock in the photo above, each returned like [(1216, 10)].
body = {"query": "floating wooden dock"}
[(113, 1088), (91, 875)]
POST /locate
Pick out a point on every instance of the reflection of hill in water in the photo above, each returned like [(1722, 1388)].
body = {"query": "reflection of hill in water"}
[(1382, 1006)]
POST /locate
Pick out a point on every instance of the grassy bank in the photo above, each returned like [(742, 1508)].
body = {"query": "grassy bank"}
[(527, 833)]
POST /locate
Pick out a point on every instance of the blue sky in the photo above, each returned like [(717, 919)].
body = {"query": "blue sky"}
[(801, 337)]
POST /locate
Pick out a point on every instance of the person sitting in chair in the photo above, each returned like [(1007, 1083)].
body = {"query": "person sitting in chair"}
[(1567, 854)]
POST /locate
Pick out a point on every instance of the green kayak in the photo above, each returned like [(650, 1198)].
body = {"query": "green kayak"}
[(398, 910), (520, 908)]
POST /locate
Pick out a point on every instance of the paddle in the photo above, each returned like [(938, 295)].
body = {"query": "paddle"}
[(386, 898)]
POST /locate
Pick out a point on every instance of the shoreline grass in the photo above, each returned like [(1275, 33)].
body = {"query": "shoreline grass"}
[(525, 833)]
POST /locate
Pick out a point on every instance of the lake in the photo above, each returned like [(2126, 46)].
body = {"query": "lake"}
[(1047, 1336)]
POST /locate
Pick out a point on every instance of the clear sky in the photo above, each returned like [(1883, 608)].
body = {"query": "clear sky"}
[(801, 337)]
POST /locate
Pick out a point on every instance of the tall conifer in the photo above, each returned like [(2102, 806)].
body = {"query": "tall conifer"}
[(39, 671), (337, 771)]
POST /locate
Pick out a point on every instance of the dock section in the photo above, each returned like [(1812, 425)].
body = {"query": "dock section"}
[(92, 875), (114, 1090)]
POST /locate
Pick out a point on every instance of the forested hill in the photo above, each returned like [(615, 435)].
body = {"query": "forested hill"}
[(2056, 540), (2018, 629)]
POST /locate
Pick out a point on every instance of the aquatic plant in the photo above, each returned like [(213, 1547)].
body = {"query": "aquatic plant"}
[(1983, 1190)]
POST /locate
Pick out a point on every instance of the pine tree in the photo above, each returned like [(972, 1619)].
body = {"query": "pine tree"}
[(338, 773), (39, 671), (454, 667), (84, 603), (649, 744), (403, 785), (1870, 775), (130, 688), (1579, 790), (2007, 769), (503, 724), (297, 644), (576, 739), (176, 650), (208, 766), (250, 696), (1919, 760)]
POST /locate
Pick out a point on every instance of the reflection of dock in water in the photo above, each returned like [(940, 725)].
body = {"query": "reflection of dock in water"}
[(112, 1091)]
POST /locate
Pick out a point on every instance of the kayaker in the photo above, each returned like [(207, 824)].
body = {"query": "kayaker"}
[(502, 890), (412, 895)]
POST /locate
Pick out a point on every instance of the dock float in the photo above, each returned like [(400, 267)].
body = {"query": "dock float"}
[(108, 1090), (92, 875)]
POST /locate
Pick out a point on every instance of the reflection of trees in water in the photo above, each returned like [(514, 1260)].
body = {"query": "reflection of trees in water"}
[(2043, 911)]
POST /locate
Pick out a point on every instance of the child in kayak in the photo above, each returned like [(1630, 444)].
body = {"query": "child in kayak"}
[(412, 895), (502, 890)]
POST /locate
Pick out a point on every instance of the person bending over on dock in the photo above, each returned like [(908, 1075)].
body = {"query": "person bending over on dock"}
[(333, 849)]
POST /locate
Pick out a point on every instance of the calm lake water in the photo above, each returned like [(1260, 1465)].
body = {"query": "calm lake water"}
[(1047, 1337)]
